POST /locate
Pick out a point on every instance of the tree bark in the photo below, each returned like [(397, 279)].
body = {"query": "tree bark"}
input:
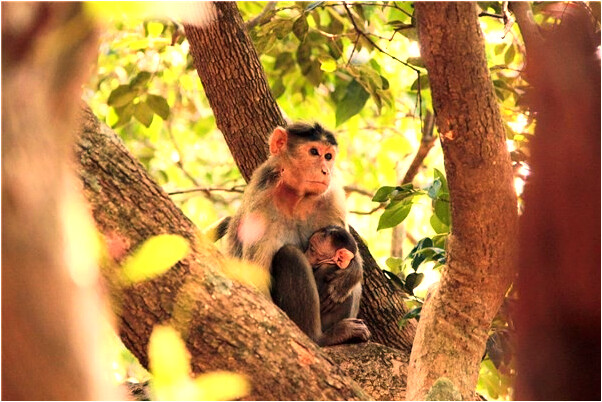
[(51, 309), (235, 84), (225, 325), (236, 87), (558, 315), (452, 332)]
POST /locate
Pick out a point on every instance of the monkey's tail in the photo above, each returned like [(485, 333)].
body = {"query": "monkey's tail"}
[(218, 230)]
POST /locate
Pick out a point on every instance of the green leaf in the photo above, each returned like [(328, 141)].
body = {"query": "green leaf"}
[(424, 83), (300, 27), (125, 114), (441, 177), (509, 56), (284, 61), (442, 212), (159, 105), (155, 256), (498, 49), (121, 96), (394, 263), (278, 88), (437, 225), (140, 81), (394, 278), (382, 194), (414, 313), (394, 215), (144, 114), (413, 280), (416, 61), (352, 103)]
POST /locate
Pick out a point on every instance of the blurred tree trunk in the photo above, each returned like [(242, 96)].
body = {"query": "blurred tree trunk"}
[(247, 113), (453, 329), (558, 316), (226, 325), (51, 309)]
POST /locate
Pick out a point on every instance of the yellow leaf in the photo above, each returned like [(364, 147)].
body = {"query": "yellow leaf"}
[(329, 65), (221, 386), (169, 359), (155, 256)]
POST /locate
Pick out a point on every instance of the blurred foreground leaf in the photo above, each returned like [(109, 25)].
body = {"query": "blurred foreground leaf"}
[(155, 256), (170, 366)]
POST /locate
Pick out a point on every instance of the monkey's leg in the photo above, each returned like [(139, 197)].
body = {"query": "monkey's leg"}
[(347, 309), (294, 290)]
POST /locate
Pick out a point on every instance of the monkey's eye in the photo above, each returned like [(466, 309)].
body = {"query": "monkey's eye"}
[(328, 156), (314, 152)]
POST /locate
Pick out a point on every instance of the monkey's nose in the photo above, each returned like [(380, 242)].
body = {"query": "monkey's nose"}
[(325, 171)]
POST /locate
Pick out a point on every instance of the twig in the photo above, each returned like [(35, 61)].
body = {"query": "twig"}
[(508, 19), (426, 143), (354, 189), (367, 37), (234, 189), (180, 161), (381, 206), (259, 19)]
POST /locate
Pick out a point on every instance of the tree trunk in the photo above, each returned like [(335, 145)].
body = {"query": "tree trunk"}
[(246, 113), (51, 333), (451, 335), (235, 84), (558, 316), (226, 325)]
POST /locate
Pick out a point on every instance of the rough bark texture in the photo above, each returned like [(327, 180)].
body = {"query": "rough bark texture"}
[(452, 332), (50, 346), (382, 305), (379, 370), (235, 84), (558, 317), (226, 326), (236, 87)]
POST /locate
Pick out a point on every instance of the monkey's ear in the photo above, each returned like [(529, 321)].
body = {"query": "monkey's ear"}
[(343, 257), (278, 140)]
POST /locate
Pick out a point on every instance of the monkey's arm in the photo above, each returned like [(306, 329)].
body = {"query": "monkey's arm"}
[(340, 283)]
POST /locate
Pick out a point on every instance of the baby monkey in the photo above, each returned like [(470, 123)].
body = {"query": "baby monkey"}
[(329, 253)]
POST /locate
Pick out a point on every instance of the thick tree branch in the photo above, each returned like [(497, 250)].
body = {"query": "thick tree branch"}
[(225, 325), (526, 23)]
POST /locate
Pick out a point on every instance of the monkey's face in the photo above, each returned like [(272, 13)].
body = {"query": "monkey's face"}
[(310, 168), (320, 249)]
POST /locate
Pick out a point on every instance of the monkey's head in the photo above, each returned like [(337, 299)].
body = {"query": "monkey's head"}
[(306, 153), (331, 245)]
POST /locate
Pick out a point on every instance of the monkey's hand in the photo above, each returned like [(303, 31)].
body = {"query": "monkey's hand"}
[(340, 283)]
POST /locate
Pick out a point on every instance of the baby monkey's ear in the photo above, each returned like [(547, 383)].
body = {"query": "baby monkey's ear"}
[(343, 257)]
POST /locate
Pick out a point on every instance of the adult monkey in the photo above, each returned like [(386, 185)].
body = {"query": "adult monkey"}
[(290, 196)]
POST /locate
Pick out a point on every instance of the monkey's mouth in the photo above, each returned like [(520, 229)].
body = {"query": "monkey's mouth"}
[(323, 183)]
